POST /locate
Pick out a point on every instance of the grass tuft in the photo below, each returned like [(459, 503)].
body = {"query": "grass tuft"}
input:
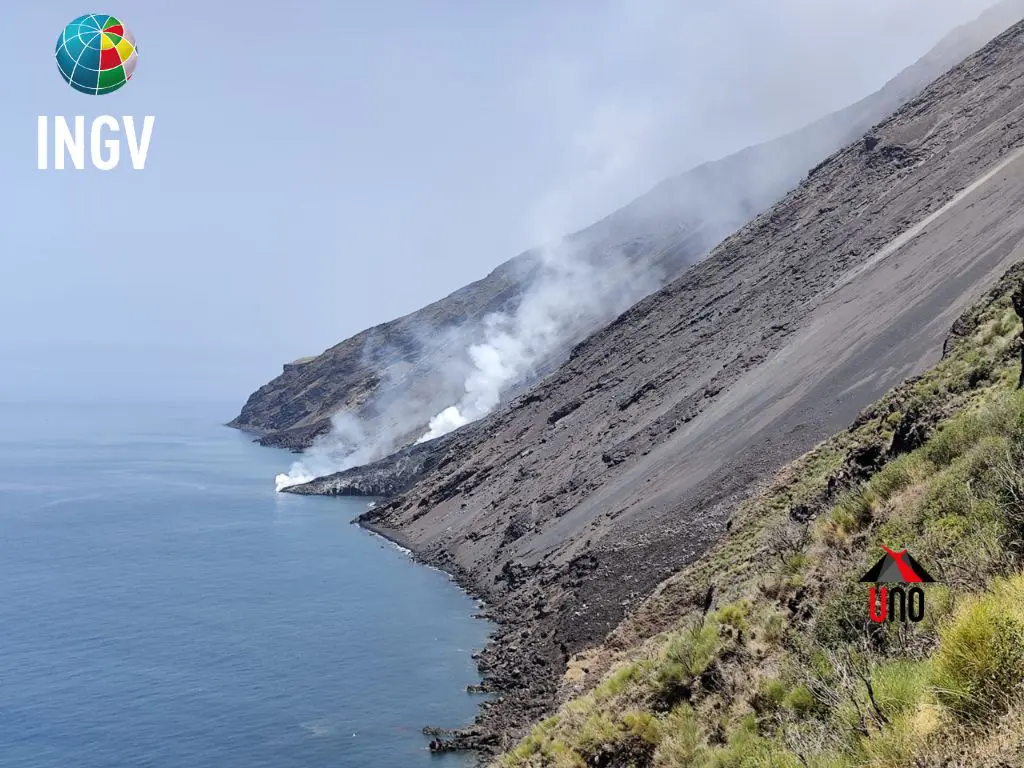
[(980, 659)]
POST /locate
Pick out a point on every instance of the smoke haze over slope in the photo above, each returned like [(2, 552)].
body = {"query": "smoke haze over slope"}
[(613, 143), (414, 145)]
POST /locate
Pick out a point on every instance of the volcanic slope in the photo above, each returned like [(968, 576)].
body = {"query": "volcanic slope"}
[(571, 504), (395, 376)]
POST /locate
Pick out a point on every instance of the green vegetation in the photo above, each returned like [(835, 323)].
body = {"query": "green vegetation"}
[(787, 670), (980, 658)]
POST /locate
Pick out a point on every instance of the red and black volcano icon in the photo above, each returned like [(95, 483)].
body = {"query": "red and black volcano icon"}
[(897, 567)]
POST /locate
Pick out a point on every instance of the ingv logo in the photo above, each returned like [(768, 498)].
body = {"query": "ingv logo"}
[(96, 55), (885, 602), (104, 153)]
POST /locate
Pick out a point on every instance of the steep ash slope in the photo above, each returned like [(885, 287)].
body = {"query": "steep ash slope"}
[(569, 505), (762, 652), (395, 376)]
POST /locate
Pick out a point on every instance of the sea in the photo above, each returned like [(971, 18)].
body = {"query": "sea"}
[(162, 607)]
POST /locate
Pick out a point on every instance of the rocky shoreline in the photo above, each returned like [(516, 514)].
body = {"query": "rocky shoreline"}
[(500, 661), (499, 664)]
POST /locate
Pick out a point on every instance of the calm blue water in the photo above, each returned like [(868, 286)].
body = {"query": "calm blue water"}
[(161, 606)]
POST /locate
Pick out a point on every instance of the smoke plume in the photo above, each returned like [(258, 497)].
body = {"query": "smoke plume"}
[(570, 297), (661, 87), (347, 445)]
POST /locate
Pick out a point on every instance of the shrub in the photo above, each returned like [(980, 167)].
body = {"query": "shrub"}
[(950, 495), (900, 474), (961, 550), (900, 686), (597, 735), (682, 741), (983, 463), (1010, 493), (621, 680), (851, 513), (644, 726), (747, 749), (775, 628), (893, 532), (902, 694), (801, 701), (835, 528), (842, 616), (980, 658), (1008, 322), (770, 694), (954, 439), (897, 743), (797, 563), (941, 603), (686, 655), (734, 615), (543, 748), (980, 370), (860, 504)]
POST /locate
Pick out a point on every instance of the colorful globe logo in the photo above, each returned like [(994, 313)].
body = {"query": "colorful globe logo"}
[(96, 54)]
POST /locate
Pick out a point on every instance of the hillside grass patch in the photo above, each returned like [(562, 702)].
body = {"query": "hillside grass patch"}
[(788, 671)]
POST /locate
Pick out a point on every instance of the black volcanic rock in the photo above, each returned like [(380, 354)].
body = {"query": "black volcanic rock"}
[(390, 476)]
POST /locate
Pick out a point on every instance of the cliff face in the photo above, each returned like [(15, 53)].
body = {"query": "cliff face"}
[(417, 360), (569, 505)]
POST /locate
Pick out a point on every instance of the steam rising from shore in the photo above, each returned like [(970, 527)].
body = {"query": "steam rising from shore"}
[(346, 445), (571, 294), (570, 297), (575, 288), (579, 287), (616, 141)]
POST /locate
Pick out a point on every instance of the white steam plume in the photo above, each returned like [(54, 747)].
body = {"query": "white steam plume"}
[(654, 87), (576, 288), (347, 445), (396, 412), (622, 137), (569, 298)]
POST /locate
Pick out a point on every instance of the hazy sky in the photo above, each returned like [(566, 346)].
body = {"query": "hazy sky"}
[(321, 166)]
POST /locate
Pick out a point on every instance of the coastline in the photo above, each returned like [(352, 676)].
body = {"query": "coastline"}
[(387, 534), (499, 663)]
